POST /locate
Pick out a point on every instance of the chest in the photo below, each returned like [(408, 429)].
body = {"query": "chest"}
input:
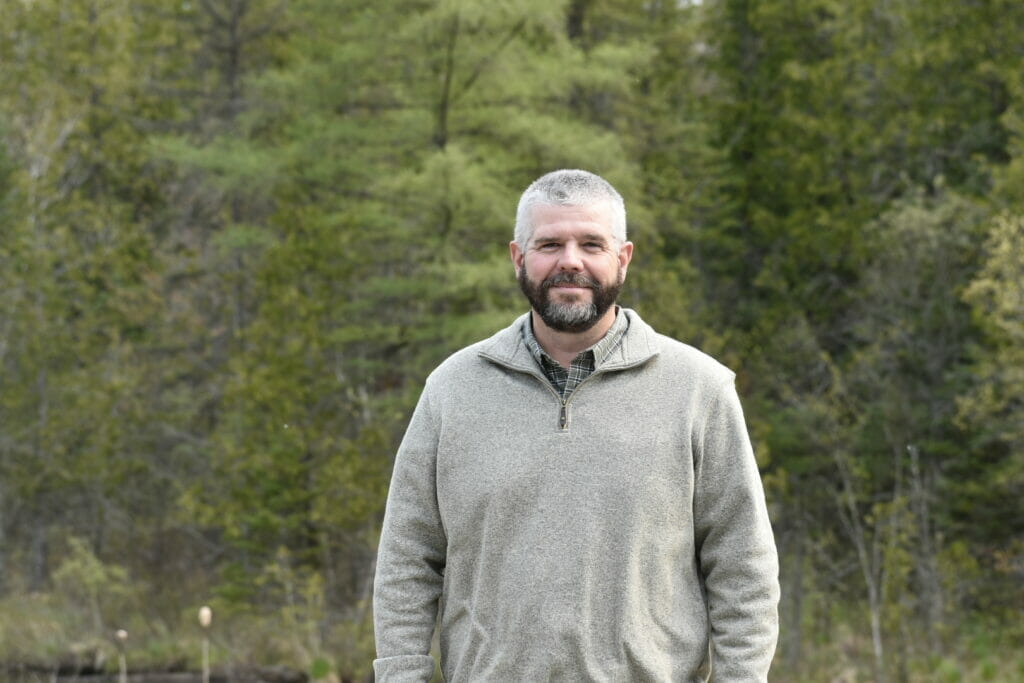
[(517, 456)]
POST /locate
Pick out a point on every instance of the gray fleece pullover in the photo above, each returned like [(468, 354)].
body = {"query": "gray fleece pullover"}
[(630, 544)]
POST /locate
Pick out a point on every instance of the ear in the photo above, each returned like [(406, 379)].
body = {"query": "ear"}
[(517, 254), (625, 256)]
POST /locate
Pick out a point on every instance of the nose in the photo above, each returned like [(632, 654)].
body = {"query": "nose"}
[(569, 259)]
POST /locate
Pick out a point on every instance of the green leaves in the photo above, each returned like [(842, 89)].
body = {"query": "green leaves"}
[(996, 295), (236, 236)]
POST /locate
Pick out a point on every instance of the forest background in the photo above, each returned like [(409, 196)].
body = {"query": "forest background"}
[(235, 236)]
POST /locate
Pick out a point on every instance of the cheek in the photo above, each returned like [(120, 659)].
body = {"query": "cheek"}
[(607, 269), (537, 265)]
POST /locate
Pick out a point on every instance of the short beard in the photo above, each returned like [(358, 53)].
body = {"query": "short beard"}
[(571, 317)]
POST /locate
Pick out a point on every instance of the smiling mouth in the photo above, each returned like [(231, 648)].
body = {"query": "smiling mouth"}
[(574, 292)]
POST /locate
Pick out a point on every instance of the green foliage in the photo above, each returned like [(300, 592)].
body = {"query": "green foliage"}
[(236, 236), (32, 627), (997, 296), (101, 590), (303, 612)]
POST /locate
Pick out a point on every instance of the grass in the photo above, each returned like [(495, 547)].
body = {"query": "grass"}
[(41, 631)]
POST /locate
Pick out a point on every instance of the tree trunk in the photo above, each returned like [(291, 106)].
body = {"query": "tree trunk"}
[(869, 560)]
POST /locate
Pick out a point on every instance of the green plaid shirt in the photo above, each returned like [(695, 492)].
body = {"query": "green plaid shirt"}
[(565, 380)]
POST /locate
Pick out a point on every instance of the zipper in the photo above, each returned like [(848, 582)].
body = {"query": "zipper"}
[(563, 416), (563, 404)]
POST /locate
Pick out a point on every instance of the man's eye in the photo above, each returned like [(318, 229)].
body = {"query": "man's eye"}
[(548, 245)]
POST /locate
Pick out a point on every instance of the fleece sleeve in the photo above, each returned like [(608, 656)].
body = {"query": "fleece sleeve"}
[(736, 548), (410, 559)]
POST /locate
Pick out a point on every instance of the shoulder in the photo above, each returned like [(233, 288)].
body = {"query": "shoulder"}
[(694, 361), (676, 358), (471, 363)]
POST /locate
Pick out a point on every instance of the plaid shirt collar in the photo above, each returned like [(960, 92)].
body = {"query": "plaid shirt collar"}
[(565, 380)]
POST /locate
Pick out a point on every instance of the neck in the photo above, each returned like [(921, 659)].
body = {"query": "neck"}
[(565, 346)]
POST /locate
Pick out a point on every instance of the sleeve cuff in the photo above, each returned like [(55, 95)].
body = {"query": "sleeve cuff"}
[(404, 669)]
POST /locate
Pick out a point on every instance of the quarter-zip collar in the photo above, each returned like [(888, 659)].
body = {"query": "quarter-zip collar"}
[(566, 379), (639, 344)]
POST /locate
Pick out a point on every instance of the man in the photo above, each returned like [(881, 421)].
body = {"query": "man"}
[(576, 498)]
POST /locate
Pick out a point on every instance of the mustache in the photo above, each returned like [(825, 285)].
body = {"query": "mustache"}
[(574, 279)]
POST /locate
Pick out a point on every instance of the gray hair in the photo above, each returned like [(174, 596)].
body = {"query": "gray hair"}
[(569, 187)]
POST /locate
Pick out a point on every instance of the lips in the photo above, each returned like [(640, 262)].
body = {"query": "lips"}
[(570, 281), (569, 289)]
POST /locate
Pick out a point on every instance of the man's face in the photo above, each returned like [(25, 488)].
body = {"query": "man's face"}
[(572, 268)]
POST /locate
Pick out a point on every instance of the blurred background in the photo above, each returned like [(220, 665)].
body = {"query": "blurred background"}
[(235, 236)]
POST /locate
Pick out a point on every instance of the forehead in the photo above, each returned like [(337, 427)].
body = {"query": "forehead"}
[(554, 219)]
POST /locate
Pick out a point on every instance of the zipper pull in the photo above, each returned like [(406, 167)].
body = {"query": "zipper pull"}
[(563, 418)]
